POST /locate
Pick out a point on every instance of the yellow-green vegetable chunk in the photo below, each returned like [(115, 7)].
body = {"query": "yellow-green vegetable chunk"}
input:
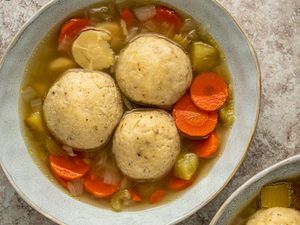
[(277, 195), (61, 64), (227, 115), (118, 199), (36, 122), (204, 57), (186, 166), (91, 49)]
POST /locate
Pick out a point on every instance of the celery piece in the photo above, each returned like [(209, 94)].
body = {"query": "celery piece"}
[(186, 166), (277, 195)]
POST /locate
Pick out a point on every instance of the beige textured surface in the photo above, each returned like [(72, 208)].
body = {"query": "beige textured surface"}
[(273, 27)]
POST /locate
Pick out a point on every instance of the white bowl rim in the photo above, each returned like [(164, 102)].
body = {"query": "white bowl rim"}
[(257, 177), (192, 211)]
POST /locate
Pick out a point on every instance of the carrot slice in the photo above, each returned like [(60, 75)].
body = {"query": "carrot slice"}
[(177, 184), (69, 31), (164, 14), (68, 168), (128, 17), (134, 196), (209, 91), (208, 148), (193, 121), (157, 196), (97, 187)]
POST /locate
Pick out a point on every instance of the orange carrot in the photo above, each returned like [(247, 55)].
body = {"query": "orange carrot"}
[(134, 196), (68, 168), (69, 31), (177, 184), (61, 181), (128, 17), (97, 187), (193, 121), (209, 91), (157, 196), (208, 148)]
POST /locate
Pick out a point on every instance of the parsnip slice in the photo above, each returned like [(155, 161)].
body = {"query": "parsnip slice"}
[(91, 49)]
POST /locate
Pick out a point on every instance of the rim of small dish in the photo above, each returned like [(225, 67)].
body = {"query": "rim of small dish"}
[(255, 178), (193, 210)]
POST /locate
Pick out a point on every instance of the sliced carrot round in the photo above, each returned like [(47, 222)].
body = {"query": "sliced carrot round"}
[(209, 91), (177, 184), (68, 168), (208, 148), (98, 188), (157, 196), (192, 121)]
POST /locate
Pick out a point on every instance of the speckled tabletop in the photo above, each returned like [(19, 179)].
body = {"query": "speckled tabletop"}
[(273, 26)]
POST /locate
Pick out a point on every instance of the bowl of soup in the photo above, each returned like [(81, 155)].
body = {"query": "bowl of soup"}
[(270, 197), (114, 112)]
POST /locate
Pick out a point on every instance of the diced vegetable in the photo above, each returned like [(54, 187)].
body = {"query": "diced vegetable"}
[(134, 196), (157, 196), (204, 57), (145, 13), (207, 148), (111, 175), (177, 184), (164, 14), (40, 88), (95, 186), (186, 166), (209, 91), (128, 17), (68, 168), (61, 64), (182, 40), (117, 36), (104, 13), (277, 195), (167, 29), (69, 150), (188, 25), (69, 31), (52, 147), (226, 114), (192, 121), (151, 26), (36, 105), (36, 122), (75, 187), (91, 49), (118, 199), (28, 94)]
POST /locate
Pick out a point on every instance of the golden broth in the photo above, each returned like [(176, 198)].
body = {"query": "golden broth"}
[(37, 72)]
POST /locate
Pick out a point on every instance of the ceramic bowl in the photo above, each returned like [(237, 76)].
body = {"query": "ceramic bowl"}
[(38, 191), (284, 170)]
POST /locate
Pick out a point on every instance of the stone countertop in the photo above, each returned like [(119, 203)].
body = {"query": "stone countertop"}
[(273, 28)]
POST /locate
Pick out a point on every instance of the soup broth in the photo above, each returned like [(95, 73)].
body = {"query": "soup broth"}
[(39, 77)]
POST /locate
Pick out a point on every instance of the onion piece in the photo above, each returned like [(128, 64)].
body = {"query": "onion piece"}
[(36, 105), (28, 94), (75, 187), (69, 150), (111, 176), (145, 13), (124, 27), (132, 33)]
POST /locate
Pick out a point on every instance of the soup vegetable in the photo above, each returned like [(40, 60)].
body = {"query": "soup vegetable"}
[(278, 203), (128, 103)]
